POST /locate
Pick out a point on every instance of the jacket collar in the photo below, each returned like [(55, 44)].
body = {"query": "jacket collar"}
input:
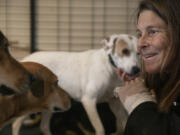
[(176, 106)]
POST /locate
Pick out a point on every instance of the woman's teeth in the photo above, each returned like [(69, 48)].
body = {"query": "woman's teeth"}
[(149, 55)]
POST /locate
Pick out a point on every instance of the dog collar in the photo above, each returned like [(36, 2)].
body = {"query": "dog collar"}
[(111, 61)]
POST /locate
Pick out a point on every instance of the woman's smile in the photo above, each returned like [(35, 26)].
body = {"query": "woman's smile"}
[(150, 56)]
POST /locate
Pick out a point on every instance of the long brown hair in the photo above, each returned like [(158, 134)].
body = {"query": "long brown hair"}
[(166, 83)]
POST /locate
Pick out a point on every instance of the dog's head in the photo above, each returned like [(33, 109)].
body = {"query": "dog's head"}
[(122, 52), (55, 98)]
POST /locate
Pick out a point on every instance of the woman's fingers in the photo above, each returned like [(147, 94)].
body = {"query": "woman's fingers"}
[(130, 88)]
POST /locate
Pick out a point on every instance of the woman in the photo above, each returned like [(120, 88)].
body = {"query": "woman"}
[(154, 104)]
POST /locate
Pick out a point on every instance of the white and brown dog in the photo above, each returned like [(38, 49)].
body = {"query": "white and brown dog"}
[(91, 76)]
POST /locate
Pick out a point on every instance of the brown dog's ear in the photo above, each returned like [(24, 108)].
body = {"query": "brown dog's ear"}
[(3, 39), (4, 43), (37, 88)]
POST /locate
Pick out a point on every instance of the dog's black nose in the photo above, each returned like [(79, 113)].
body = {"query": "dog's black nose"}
[(135, 70), (57, 109)]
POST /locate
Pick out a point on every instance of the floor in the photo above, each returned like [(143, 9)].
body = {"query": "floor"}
[(66, 123)]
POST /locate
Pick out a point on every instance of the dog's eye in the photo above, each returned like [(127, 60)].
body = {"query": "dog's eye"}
[(125, 51)]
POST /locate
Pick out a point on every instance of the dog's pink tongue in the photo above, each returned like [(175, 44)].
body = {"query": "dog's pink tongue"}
[(122, 75)]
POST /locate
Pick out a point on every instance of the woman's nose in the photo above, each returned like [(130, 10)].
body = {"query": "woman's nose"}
[(142, 41)]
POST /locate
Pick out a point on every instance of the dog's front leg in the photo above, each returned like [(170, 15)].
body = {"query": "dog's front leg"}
[(120, 114), (90, 107), (16, 125), (45, 122)]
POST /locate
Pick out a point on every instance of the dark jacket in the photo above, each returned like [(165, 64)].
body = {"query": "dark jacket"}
[(146, 120)]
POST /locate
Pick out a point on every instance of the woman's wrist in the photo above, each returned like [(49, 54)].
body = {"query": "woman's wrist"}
[(131, 102)]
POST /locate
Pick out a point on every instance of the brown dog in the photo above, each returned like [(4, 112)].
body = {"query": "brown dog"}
[(12, 73), (51, 96)]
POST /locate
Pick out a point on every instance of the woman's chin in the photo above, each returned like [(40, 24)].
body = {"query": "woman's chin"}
[(152, 68)]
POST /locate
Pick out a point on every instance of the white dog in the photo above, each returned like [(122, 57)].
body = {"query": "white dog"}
[(91, 76)]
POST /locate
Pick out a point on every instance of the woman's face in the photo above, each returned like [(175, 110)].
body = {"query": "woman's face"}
[(153, 40)]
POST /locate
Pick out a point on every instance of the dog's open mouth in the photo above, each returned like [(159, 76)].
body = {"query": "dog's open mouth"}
[(125, 76)]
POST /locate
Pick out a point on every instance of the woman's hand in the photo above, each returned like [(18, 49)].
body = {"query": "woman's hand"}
[(133, 93), (130, 88)]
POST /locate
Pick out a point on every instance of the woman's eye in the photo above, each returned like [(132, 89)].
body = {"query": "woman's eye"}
[(138, 35), (153, 31)]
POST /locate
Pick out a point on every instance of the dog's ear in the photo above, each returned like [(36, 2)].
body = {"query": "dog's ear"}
[(3, 39), (4, 43), (114, 45), (114, 41), (37, 88), (104, 42)]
